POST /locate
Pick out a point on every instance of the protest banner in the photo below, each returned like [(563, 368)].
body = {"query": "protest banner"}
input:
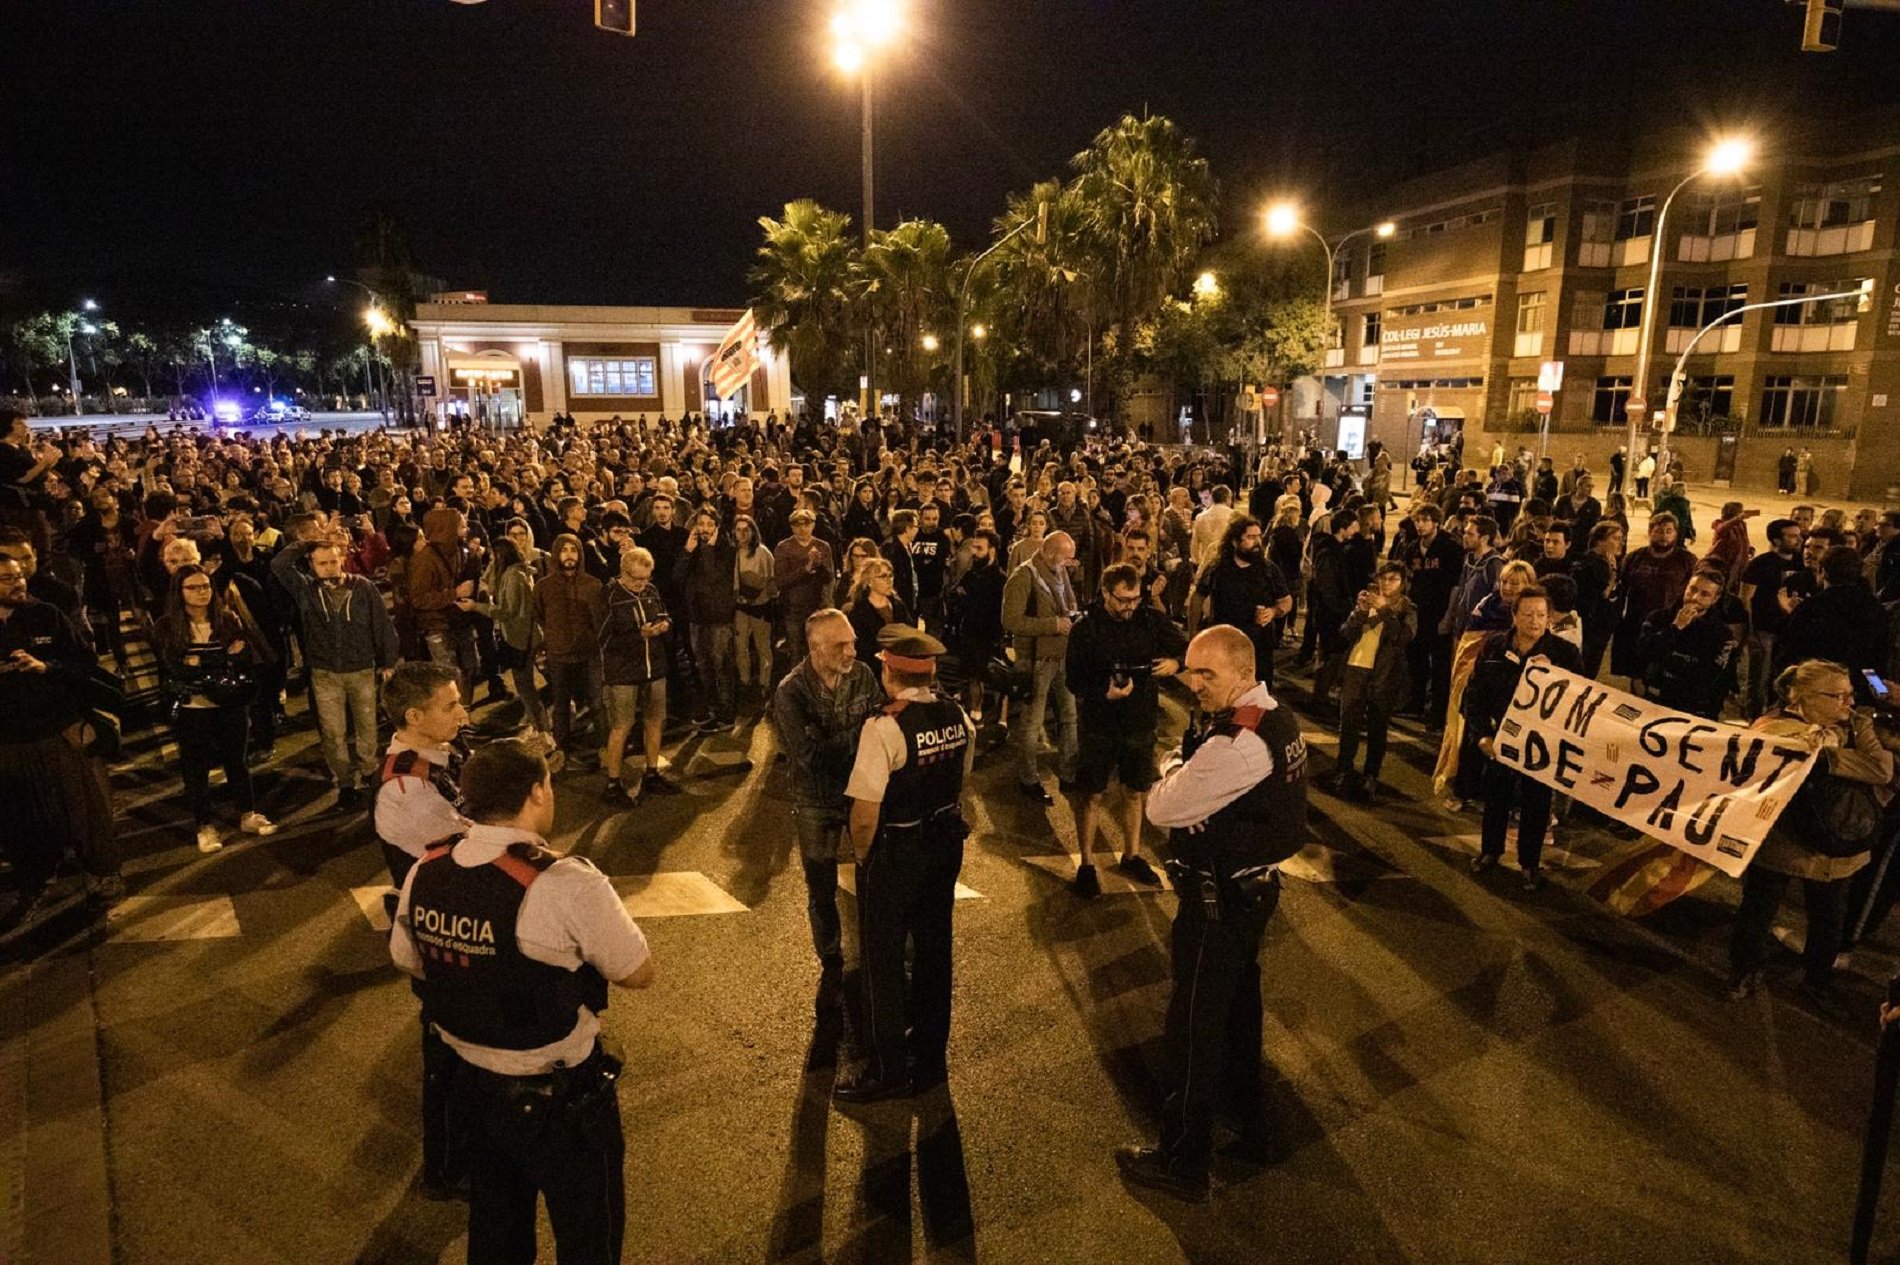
[(1709, 789)]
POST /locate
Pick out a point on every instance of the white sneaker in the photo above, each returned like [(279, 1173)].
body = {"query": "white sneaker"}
[(256, 824), (208, 839)]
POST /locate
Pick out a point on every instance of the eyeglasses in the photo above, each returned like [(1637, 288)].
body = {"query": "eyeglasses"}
[(1845, 696), (196, 588)]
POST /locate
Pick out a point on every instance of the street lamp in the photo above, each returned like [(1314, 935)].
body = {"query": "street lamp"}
[(929, 342), (1207, 285), (858, 31), (72, 361), (1283, 219), (1040, 223), (1725, 158)]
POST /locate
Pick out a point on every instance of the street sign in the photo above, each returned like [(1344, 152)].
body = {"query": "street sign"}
[(1544, 402), (1550, 375), (1249, 400), (1636, 407), (425, 386), (1269, 397)]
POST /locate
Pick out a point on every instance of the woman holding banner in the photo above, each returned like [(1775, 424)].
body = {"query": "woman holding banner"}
[(1824, 835)]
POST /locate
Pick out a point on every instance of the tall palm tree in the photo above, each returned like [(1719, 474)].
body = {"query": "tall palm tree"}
[(1151, 205), (1047, 290), (801, 288), (903, 283)]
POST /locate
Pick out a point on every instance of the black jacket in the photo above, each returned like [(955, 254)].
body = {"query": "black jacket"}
[(1843, 623), (1690, 669), (1099, 644), (1494, 676)]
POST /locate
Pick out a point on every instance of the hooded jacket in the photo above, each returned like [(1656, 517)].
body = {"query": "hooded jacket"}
[(436, 570), (569, 607), (346, 628)]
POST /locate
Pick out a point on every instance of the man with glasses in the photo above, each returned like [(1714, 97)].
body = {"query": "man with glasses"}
[(1117, 650)]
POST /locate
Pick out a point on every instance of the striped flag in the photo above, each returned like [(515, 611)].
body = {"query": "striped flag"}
[(731, 366)]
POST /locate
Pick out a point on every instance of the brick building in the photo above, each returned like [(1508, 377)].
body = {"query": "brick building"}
[(1543, 255)]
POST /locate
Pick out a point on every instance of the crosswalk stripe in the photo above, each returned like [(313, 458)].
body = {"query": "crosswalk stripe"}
[(144, 919), (675, 894)]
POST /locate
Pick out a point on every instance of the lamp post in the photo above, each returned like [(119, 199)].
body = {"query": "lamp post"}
[(72, 361), (1725, 158), (1283, 219), (1041, 225), (858, 31)]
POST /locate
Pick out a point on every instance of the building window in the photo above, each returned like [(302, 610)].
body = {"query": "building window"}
[(1465, 304), (1720, 227), (1540, 236), (1635, 217), (1833, 219), (1790, 402), (1530, 324), (1617, 322), (1523, 398), (1704, 399), (1369, 336), (636, 375), (1623, 309), (1821, 325), (1375, 269), (1597, 231), (1692, 307), (1610, 403)]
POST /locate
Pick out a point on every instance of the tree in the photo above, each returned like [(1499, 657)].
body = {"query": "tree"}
[(37, 342), (1150, 205), (801, 289), (143, 353), (1044, 307), (902, 282)]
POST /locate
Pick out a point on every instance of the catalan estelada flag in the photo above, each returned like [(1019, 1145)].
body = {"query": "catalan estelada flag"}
[(1644, 875), (731, 366)]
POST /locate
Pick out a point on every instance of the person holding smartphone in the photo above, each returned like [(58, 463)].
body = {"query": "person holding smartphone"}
[(1117, 650)]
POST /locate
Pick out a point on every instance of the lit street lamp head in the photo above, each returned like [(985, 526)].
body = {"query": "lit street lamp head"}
[(1282, 219), (979, 331), (861, 26), (1730, 156), (1207, 285), (930, 342), (1386, 229)]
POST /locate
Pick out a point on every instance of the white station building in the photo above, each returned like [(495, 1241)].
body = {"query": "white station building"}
[(511, 364)]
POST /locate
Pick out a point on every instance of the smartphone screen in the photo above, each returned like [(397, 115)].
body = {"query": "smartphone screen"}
[(1874, 683)]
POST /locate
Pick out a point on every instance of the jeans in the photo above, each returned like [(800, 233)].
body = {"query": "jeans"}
[(1050, 686), (1503, 788), (1762, 893), (1361, 712), (210, 736), (455, 648), (345, 698), (571, 684), (522, 678), (752, 644), (712, 652)]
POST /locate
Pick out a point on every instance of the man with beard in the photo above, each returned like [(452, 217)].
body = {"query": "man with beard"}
[(55, 799), (1761, 587), (569, 605), (1652, 579), (1117, 651), (1434, 560), (348, 642), (1687, 651), (1243, 588), (930, 553), (976, 611)]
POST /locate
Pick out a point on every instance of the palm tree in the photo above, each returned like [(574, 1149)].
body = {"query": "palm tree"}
[(1151, 204), (1047, 294), (801, 293), (902, 284)]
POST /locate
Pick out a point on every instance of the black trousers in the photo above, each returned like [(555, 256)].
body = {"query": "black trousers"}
[(564, 1148), (906, 890), (1505, 788), (1429, 659), (1762, 894), (1362, 712), (821, 907), (1212, 1032), (209, 736)]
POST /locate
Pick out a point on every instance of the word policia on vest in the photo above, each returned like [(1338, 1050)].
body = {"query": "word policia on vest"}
[(1710, 789), (454, 933)]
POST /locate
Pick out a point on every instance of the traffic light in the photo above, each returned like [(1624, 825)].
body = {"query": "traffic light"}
[(614, 15), (1821, 33)]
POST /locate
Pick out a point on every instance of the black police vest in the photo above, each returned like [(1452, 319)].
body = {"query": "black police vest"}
[(928, 787), (1267, 824), (476, 982)]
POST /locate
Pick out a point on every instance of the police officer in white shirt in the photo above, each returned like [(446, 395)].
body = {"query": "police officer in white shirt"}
[(414, 810), (907, 830), (514, 946), (1233, 800)]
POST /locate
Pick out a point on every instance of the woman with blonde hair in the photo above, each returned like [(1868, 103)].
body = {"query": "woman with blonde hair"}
[(1826, 833), (874, 603)]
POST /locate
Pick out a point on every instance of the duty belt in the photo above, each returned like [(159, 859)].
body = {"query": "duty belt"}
[(950, 809)]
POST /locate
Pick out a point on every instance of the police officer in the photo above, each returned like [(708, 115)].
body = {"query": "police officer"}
[(415, 809), (513, 946), (907, 830), (1233, 800)]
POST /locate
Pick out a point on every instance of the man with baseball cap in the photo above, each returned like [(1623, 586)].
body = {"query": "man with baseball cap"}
[(907, 831)]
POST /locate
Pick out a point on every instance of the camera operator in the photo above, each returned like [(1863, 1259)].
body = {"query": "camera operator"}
[(1117, 649)]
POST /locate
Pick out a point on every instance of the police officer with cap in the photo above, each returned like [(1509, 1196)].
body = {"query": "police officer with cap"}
[(514, 946), (1233, 800), (907, 830), (415, 809)]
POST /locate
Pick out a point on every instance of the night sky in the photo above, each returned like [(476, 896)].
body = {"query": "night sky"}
[(207, 144)]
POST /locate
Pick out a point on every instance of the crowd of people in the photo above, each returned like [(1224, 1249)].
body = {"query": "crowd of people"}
[(599, 580)]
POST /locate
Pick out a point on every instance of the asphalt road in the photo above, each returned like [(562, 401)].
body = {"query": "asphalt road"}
[(1459, 1072)]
